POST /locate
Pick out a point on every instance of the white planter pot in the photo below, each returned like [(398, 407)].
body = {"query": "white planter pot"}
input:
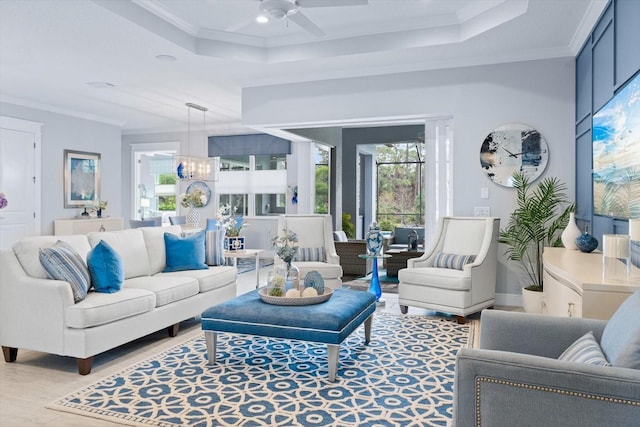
[(532, 301)]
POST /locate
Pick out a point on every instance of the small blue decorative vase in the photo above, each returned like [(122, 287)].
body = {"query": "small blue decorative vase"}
[(586, 242), (374, 239)]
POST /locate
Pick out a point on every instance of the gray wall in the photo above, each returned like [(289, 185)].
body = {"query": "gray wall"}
[(60, 132), (479, 99)]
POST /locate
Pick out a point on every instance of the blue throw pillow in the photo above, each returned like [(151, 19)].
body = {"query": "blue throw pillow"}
[(185, 253), (62, 262), (106, 268)]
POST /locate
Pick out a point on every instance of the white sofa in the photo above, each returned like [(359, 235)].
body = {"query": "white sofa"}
[(39, 314)]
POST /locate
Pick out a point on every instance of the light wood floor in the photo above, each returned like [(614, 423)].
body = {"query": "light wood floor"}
[(36, 379)]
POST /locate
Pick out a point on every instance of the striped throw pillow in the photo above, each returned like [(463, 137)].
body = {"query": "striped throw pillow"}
[(585, 350), (62, 262), (453, 261), (311, 254), (215, 247)]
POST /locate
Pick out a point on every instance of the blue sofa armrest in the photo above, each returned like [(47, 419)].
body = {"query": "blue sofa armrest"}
[(498, 388), (533, 334)]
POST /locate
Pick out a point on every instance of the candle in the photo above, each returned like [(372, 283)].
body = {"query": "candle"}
[(634, 229), (615, 246)]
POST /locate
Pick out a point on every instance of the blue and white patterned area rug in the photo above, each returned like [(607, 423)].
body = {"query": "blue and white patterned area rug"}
[(404, 377)]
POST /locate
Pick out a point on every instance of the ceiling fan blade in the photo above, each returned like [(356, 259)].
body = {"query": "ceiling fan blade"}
[(304, 22), (331, 3)]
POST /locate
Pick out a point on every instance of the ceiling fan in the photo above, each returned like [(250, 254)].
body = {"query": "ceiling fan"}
[(290, 9)]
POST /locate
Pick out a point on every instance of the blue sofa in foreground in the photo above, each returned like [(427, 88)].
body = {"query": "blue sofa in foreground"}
[(535, 370)]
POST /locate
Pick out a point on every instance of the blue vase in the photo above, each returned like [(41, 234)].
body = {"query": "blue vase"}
[(586, 242)]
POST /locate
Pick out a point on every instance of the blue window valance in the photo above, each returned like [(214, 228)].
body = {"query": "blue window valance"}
[(245, 145)]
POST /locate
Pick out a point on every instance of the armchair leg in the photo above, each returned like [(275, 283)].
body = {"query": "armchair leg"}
[(404, 309), (461, 320), (10, 354)]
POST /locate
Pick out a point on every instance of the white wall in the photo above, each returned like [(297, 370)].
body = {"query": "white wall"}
[(537, 93), (61, 132)]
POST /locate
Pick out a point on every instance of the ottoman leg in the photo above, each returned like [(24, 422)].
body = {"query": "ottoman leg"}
[(211, 338), (333, 351), (367, 329)]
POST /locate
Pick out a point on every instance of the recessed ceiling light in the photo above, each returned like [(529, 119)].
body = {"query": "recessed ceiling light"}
[(262, 19), (168, 58), (100, 85)]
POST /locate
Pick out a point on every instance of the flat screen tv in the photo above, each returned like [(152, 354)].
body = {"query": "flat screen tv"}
[(616, 154)]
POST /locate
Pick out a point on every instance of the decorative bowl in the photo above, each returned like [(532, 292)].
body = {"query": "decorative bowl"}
[(265, 297)]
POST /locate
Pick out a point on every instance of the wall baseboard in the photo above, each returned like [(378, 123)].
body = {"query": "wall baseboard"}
[(513, 300)]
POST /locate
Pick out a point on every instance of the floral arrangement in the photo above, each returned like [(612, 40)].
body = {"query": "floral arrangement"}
[(195, 199), (227, 220), (103, 204), (286, 245), (3, 201)]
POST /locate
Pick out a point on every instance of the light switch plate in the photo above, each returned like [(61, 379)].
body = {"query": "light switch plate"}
[(484, 193)]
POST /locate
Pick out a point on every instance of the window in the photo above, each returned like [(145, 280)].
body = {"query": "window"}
[(322, 154), (235, 163), (400, 172), (270, 204), (271, 162), (239, 202)]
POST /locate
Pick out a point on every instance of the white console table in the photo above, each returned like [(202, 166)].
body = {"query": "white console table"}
[(574, 286), (84, 226)]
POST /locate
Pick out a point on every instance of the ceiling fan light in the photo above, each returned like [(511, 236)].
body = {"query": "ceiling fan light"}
[(262, 19)]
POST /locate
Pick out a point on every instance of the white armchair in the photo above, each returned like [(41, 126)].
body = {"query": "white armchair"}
[(314, 231), (433, 281)]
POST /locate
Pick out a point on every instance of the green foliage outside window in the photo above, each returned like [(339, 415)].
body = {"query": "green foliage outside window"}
[(167, 178), (167, 203), (322, 189)]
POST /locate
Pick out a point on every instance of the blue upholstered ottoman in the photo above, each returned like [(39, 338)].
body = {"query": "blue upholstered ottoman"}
[(328, 323)]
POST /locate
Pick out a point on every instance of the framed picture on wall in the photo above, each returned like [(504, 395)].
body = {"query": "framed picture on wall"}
[(81, 179)]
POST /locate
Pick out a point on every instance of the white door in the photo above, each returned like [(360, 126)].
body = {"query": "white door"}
[(18, 182)]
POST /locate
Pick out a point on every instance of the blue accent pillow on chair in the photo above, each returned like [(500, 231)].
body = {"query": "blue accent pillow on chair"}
[(62, 262), (106, 268), (185, 253)]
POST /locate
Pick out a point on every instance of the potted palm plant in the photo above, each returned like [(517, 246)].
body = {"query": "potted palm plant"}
[(538, 221)]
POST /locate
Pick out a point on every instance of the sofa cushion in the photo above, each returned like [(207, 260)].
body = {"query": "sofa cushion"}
[(444, 260), (585, 350), (99, 308), (106, 268), (621, 336), (310, 254), (27, 251), (167, 289), (185, 253), (131, 247), (154, 241), (212, 278), (62, 262), (445, 278)]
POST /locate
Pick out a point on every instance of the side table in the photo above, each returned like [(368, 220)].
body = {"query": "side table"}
[(374, 286), (246, 253)]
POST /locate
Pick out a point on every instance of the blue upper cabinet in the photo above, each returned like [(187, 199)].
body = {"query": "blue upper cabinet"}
[(603, 64), (583, 89), (627, 32)]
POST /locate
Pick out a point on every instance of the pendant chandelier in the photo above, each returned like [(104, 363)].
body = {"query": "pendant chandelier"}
[(190, 167)]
